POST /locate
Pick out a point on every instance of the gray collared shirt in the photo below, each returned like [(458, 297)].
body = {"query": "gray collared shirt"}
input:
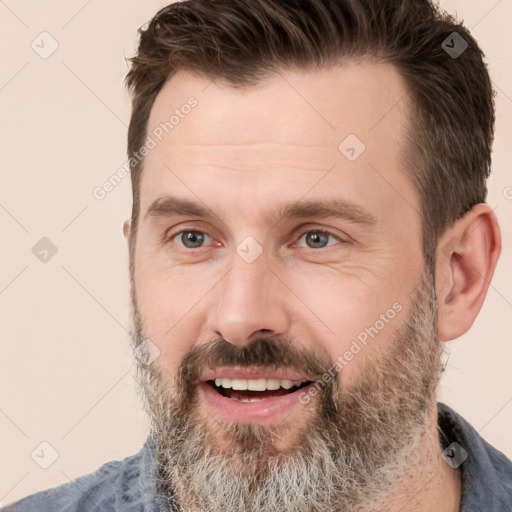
[(130, 485)]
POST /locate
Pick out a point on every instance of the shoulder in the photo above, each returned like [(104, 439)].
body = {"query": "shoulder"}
[(487, 472), (116, 485), (88, 492)]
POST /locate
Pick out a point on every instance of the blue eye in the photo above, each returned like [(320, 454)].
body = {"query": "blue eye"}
[(312, 239), (190, 239), (318, 239)]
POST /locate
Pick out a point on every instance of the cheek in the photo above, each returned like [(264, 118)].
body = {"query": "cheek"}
[(172, 308), (350, 318)]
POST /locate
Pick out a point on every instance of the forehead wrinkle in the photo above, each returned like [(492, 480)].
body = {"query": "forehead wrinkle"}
[(257, 156)]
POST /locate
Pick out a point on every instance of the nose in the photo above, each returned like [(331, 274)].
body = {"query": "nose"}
[(249, 303)]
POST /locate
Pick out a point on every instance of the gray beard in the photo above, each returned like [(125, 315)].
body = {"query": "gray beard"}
[(360, 441)]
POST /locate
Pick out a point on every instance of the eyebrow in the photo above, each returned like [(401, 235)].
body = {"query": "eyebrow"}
[(168, 206)]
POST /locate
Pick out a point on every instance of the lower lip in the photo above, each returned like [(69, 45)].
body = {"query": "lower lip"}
[(261, 411)]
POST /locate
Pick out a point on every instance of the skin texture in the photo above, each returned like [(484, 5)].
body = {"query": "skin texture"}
[(244, 152)]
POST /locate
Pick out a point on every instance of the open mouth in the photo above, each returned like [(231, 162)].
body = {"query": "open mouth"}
[(254, 390), (248, 395)]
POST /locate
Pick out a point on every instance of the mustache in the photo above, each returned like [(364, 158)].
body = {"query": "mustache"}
[(267, 353)]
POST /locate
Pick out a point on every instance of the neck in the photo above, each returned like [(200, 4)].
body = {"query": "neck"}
[(432, 484)]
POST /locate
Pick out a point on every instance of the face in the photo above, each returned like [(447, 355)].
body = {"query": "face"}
[(280, 280)]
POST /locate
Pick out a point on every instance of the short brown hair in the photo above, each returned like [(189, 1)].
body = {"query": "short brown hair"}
[(241, 41)]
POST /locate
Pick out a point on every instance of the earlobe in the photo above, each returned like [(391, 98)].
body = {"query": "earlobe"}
[(466, 258)]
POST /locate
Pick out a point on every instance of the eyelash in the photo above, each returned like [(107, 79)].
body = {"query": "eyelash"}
[(171, 237)]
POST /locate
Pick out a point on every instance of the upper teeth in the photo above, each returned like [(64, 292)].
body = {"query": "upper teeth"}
[(256, 384)]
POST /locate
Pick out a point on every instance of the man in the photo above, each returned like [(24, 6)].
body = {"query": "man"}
[(309, 225)]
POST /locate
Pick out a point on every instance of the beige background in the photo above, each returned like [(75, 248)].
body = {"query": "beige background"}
[(65, 366)]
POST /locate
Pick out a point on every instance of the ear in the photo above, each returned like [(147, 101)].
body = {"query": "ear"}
[(465, 261), (127, 233), (126, 229)]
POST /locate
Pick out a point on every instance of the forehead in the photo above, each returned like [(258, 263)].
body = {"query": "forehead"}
[(289, 129)]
